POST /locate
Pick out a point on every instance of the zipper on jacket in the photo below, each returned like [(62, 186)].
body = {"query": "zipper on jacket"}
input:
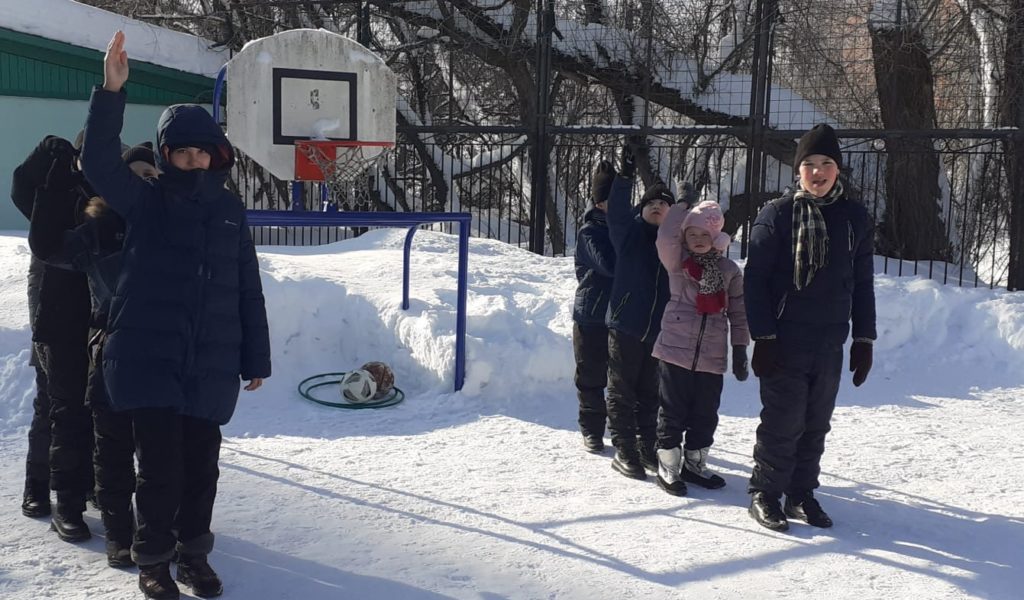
[(700, 338), (622, 303), (650, 316), (597, 302), (782, 306)]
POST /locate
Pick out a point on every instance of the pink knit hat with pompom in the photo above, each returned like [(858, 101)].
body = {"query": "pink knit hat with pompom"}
[(708, 216)]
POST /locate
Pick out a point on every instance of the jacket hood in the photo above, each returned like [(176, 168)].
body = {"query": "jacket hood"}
[(190, 125)]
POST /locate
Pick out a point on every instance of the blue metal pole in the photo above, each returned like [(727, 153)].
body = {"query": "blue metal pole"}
[(297, 203), (405, 266), (460, 310), (218, 90)]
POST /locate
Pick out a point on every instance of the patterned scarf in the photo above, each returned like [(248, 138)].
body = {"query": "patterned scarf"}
[(810, 235), (711, 283)]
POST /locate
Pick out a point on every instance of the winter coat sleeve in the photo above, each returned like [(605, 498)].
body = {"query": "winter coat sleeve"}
[(101, 159), (595, 252), (864, 280), (51, 220), (762, 257), (670, 238), (253, 311), (620, 212), (736, 310), (29, 176)]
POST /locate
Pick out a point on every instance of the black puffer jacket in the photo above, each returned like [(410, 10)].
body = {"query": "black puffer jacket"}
[(58, 298), (92, 247), (187, 318)]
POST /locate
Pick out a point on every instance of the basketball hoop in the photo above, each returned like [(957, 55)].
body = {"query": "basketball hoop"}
[(343, 166)]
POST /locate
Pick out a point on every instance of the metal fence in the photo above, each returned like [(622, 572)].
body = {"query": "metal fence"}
[(715, 98)]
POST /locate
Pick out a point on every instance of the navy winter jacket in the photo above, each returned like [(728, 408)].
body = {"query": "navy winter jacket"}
[(187, 318), (640, 290), (595, 268), (842, 290)]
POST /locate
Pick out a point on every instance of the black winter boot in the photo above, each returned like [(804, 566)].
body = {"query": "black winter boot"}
[(804, 507), (35, 502), (627, 462), (196, 573), (156, 583), (593, 443), (67, 520), (648, 454), (120, 529), (765, 509), (119, 553)]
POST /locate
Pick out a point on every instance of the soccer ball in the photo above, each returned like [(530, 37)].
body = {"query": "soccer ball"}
[(382, 375), (358, 386)]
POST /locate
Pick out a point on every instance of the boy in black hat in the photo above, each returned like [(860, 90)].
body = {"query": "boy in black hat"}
[(638, 297), (595, 267), (809, 271)]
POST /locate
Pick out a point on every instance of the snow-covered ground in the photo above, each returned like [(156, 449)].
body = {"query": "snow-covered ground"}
[(487, 495)]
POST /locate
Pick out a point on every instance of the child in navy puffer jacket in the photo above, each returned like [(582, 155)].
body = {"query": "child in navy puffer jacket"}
[(187, 321)]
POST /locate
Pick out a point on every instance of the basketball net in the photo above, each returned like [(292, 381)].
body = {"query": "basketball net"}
[(344, 169)]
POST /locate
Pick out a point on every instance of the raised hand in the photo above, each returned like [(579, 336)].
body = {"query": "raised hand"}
[(115, 64)]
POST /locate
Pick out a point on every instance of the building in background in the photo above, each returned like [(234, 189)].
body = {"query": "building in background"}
[(51, 56)]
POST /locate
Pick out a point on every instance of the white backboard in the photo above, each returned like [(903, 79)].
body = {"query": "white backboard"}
[(306, 84)]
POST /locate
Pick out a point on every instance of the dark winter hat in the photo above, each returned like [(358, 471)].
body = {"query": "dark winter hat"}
[(821, 139), (601, 182), (657, 191), (142, 152)]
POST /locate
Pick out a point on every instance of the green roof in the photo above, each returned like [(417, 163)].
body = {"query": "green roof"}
[(37, 67)]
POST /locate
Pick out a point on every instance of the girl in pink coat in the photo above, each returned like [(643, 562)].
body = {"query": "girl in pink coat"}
[(706, 302)]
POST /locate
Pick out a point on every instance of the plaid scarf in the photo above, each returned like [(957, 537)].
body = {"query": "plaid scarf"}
[(710, 282), (810, 235)]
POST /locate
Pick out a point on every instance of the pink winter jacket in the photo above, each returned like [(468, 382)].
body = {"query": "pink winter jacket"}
[(688, 339)]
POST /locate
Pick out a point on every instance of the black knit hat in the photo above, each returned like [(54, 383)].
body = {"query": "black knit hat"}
[(821, 139), (601, 182), (142, 152), (657, 191)]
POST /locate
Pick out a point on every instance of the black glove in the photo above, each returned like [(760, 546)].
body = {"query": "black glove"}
[(61, 179), (739, 363), (627, 163), (860, 361), (33, 171), (766, 361)]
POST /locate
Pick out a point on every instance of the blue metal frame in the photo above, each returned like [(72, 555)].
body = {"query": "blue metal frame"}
[(412, 220), (218, 90)]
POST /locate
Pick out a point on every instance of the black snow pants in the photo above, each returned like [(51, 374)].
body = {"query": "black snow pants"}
[(114, 455), (632, 390), (176, 486), (689, 403), (590, 345), (66, 363), (797, 403), (37, 463)]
